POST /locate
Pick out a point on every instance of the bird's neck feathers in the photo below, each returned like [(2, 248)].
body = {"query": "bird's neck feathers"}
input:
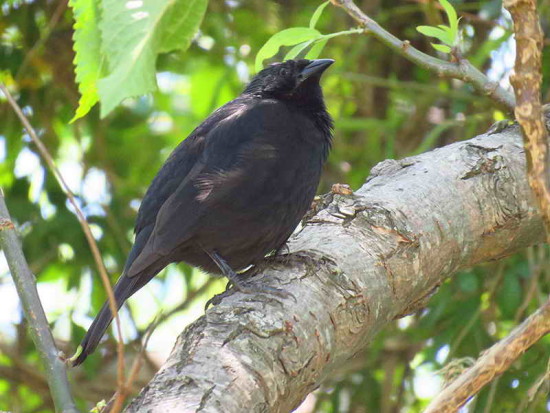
[(308, 99)]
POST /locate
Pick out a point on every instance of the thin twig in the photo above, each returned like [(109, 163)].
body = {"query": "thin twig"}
[(493, 362), (462, 69), (116, 402), (83, 223), (38, 323), (527, 80), (183, 305)]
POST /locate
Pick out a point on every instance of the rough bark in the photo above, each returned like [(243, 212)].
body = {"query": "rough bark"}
[(527, 81), (360, 261)]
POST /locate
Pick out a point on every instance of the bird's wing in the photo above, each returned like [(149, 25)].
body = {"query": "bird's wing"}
[(222, 157)]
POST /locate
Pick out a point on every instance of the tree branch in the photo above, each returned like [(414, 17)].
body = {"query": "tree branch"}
[(462, 69), (527, 81), (360, 261), (82, 221), (493, 362), (38, 323)]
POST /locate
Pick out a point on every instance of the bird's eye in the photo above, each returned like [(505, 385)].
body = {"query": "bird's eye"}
[(284, 72)]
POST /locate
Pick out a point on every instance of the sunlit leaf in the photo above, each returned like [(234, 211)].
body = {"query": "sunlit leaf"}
[(87, 48), (288, 37), (441, 47), (446, 34), (451, 15), (317, 14), (296, 50), (133, 34), (316, 49), (440, 34)]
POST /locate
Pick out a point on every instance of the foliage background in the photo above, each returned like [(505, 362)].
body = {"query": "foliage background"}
[(384, 107)]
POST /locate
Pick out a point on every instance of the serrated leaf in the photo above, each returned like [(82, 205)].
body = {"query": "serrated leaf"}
[(133, 33), (87, 48), (317, 14), (451, 15), (296, 50), (316, 49), (172, 37), (287, 37), (441, 47)]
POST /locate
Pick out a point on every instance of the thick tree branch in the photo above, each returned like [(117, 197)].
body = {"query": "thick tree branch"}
[(462, 69), (527, 81), (360, 261), (38, 323), (493, 362)]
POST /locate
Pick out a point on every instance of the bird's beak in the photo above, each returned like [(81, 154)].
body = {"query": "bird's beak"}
[(315, 68)]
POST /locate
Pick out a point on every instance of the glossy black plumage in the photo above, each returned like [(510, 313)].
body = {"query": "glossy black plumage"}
[(236, 188)]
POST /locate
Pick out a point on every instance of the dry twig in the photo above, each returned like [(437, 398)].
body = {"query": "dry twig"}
[(83, 223), (117, 401), (462, 69), (529, 112), (493, 362)]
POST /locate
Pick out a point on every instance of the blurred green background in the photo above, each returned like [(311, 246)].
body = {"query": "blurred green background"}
[(384, 107)]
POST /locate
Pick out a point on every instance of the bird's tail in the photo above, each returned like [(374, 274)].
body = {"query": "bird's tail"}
[(124, 288)]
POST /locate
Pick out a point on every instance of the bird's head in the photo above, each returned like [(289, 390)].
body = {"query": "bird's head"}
[(290, 80)]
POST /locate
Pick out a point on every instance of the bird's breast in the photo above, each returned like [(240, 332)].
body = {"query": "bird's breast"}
[(266, 202)]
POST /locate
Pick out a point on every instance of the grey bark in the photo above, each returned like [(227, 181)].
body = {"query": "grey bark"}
[(25, 283), (359, 262)]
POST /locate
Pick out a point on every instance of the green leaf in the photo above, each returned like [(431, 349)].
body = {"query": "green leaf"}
[(180, 26), (133, 33), (87, 48), (296, 50), (317, 14), (440, 34), (468, 282), (451, 35), (287, 37), (316, 49), (451, 15), (509, 296), (441, 48)]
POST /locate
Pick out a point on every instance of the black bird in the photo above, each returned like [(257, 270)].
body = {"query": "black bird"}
[(236, 188)]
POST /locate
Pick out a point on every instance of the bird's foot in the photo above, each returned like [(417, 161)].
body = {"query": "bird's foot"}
[(248, 289), (238, 284), (261, 289), (217, 299)]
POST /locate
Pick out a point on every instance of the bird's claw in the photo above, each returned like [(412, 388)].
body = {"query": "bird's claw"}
[(216, 299), (248, 289), (264, 290)]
